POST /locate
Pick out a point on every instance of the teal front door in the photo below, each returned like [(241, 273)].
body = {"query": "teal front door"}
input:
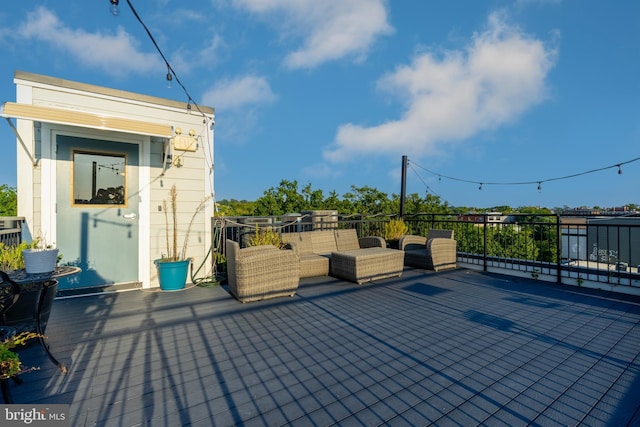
[(97, 210)]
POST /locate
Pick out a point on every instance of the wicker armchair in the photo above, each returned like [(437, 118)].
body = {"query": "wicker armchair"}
[(261, 272), (436, 252)]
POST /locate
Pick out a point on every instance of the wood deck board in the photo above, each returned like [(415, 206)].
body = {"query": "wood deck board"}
[(459, 347)]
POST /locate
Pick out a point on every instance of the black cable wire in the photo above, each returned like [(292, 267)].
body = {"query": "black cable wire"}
[(169, 68), (539, 181), (423, 181), (171, 72)]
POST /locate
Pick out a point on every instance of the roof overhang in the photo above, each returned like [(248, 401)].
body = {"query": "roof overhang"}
[(82, 119)]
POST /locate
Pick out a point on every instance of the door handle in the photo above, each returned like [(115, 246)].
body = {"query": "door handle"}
[(131, 215)]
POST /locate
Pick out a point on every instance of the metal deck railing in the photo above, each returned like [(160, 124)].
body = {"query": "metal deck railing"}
[(11, 230), (563, 249)]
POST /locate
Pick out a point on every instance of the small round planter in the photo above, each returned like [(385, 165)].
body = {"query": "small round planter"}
[(172, 275), (393, 243), (38, 261)]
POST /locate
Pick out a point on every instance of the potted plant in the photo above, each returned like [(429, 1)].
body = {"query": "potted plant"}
[(173, 267), (40, 257), (393, 232), (266, 236)]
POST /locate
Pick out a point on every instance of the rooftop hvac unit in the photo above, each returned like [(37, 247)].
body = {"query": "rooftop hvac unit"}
[(320, 220), (249, 230), (291, 222)]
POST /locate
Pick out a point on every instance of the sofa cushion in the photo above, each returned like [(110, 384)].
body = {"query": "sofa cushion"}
[(347, 240), (301, 242), (324, 242)]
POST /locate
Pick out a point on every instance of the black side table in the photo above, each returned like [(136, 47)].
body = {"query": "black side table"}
[(43, 282)]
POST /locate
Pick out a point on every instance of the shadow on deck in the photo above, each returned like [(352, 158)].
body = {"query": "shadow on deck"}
[(454, 348)]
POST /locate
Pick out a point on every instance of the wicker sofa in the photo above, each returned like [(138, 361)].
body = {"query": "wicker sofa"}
[(342, 254), (261, 272), (437, 251), (314, 248)]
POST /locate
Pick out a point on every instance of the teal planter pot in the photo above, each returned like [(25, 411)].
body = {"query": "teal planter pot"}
[(172, 274)]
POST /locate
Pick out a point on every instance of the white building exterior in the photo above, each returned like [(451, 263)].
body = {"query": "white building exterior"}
[(94, 166)]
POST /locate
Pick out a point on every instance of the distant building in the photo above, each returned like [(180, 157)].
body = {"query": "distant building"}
[(492, 217), (584, 211)]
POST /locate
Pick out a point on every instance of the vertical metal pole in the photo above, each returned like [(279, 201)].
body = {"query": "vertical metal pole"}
[(559, 249), (403, 186), (485, 232), (94, 172)]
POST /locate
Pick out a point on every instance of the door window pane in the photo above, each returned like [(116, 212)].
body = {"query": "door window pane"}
[(99, 179)]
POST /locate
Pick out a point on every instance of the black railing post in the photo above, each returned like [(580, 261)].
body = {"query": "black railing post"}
[(485, 231), (558, 250), (403, 186)]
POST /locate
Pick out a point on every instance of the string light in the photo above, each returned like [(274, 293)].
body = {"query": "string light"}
[(169, 78), (539, 182), (114, 7), (171, 74), (428, 189)]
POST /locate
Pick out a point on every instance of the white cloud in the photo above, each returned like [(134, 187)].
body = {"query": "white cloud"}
[(330, 30), (242, 92), (208, 56), (237, 101), (453, 96), (115, 54)]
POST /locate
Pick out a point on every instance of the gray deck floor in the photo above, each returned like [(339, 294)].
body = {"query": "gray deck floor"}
[(457, 348)]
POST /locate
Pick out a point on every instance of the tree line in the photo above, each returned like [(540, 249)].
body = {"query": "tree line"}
[(288, 197)]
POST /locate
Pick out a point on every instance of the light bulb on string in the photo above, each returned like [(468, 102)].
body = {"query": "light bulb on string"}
[(114, 7), (480, 187), (169, 78), (619, 169), (539, 186)]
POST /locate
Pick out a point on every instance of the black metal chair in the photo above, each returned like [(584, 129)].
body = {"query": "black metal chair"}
[(9, 294)]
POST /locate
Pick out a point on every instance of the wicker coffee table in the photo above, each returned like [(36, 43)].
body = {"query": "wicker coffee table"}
[(365, 265)]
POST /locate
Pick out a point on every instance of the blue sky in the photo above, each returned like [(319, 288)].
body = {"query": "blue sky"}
[(333, 93)]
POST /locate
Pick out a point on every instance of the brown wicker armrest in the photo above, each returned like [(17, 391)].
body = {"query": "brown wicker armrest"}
[(441, 253), (372, 242), (252, 249), (412, 240)]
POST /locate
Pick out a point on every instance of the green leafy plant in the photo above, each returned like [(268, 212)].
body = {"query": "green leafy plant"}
[(10, 364), (395, 229), (11, 257), (266, 236)]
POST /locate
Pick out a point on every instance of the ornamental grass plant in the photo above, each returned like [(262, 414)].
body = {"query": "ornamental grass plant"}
[(266, 236), (171, 227)]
